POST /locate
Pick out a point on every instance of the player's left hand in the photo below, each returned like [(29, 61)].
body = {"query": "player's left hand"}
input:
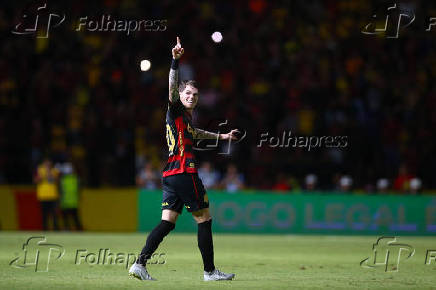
[(230, 136)]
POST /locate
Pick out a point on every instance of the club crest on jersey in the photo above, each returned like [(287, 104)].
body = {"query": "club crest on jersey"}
[(190, 130)]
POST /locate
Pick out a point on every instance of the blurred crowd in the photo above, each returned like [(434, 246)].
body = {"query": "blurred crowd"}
[(233, 181), (299, 66)]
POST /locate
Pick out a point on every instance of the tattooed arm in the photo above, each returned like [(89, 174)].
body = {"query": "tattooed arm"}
[(202, 134), (173, 82)]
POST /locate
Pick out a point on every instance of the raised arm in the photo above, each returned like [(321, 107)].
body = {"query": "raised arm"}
[(173, 80)]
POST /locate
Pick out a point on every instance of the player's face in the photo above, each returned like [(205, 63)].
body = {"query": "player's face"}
[(189, 97)]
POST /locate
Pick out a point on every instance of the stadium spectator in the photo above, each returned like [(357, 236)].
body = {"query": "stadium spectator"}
[(208, 175), (415, 186), (345, 183), (233, 180), (46, 179), (69, 187), (402, 181), (148, 177), (382, 185), (310, 182), (294, 183), (282, 183)]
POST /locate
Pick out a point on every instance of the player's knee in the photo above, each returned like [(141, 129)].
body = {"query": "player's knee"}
[(170, 215), (201, 219), (172, 220), (201, 216)]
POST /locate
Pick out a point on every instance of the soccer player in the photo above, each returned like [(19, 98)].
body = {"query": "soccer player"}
[(181, 184)]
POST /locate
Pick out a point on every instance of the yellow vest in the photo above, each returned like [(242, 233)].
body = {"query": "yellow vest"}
[(47, 188)]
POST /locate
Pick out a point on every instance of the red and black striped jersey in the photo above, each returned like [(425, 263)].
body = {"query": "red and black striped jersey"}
[(180, 140)]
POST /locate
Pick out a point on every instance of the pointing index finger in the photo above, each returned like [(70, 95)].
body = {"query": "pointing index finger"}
[(178, 40)]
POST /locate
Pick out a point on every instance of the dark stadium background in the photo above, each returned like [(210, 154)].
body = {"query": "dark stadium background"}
[(303, 66), (281, 216)]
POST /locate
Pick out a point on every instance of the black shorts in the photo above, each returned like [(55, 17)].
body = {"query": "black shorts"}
[(184, 189)]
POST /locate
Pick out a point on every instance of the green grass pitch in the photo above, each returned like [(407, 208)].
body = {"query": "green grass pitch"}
[(259, 261)]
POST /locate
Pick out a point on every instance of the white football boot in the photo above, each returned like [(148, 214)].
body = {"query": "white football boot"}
[(138, 271), (217, 275)]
